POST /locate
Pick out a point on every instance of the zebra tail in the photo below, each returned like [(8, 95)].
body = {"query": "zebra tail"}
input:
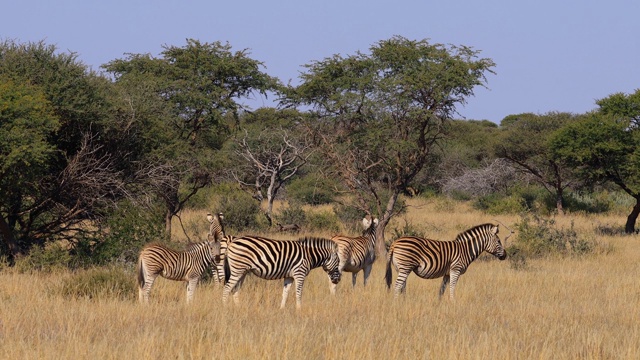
[(227, 270), (388, 274), (141, 274)]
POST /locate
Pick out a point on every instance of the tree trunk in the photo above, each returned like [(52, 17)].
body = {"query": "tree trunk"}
[(167, 222), (8, 238), (630, 226), (559, 198)]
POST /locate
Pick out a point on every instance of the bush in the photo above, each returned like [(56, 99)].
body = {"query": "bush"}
[(311, 190), (540, 237), (128, 229), (52, 257), (496, 204), (112, 282), (293, 214), (240, 211), (324, 221)]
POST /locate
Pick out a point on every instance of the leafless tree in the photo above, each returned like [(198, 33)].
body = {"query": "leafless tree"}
[(271, 159), (495, 177)]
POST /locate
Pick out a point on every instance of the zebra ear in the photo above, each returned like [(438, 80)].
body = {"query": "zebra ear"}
[(376, 221), (495, 229), (209, 217), (366, 223)]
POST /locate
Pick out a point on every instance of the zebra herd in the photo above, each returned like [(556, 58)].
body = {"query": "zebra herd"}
[(231, 258)]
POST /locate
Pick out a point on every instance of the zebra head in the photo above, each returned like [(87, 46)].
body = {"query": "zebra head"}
[(332, 264), (213, 251), (494, 245)]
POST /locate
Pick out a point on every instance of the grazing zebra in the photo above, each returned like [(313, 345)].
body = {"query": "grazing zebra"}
[(278, 259), (189, 265), (431, 259), (357, 253)]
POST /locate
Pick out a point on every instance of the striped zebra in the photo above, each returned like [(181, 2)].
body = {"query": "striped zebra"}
[(431, 259), (217, 234), (216, 228), (357, 253), (189, 265), (278, 259)]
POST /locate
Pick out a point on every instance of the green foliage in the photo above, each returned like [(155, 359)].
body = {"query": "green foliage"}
[(100, 283), (322, 221), (312, 190), (408, 229), (349, 216), (539, 236), (499, 204), (240, 211), (127, 229), (52, 257), (293, 214)]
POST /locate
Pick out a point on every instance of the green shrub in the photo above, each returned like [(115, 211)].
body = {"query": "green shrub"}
[(349, 216), (311, 190), (496, 204), (112, 282), (292, 214), (52, 257), (127, 230), (323, 221), (541, 237), (408, 230), (241, 212)]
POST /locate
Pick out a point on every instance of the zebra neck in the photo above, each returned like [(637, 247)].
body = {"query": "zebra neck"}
[(473, 247)]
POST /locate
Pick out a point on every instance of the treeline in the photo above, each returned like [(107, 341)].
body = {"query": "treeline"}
[(103, 161)]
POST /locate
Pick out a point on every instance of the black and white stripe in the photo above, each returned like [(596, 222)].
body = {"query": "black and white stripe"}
[(217, 234), (278, 259), (357, 253), (431, 259), (189, 265)]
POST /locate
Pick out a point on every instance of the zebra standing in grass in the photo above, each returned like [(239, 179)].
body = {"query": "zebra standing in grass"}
[(357, 253), (189, 265), (278, 259), (217, 234), (431, 259)]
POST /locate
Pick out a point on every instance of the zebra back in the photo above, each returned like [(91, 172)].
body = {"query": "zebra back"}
[(358, 252), (158, 259), (276, 259)]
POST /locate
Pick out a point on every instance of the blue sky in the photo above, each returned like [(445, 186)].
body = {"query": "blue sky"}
[(550, 55)]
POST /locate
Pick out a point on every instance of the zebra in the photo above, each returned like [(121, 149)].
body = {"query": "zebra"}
[(357, 253), (217, 234), (216, 229), (278, 259), (431, 259), (189, 265)]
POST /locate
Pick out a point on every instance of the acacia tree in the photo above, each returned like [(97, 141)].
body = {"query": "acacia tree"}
[(524, 142), (269, 153), (380, 115), (604, 146), (200, 84), (55, 173)]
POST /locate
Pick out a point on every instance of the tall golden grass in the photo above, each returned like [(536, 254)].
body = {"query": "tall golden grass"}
[(556, 308)]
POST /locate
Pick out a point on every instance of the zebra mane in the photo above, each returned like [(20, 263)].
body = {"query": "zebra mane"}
[(312, 240), (462, 236), (194, 246)]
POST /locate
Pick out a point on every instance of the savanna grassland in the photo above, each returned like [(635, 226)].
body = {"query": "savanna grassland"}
[(571, 307)]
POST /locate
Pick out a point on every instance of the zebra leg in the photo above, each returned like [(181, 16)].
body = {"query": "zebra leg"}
[(354, 276), (299, 282), (285, 291), (191, 287), (367, 272), (401, 280), (143, 292), (231, 287), (445, 281), (455, 275)]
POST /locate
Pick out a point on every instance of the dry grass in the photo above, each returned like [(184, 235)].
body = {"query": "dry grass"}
[(571, 308)]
